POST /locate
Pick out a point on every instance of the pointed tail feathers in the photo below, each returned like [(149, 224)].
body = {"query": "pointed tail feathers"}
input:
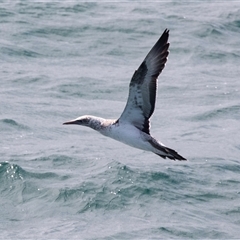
[(165, 152), (171, 154)]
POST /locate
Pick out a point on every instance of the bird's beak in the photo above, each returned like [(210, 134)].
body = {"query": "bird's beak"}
[(70, 122)]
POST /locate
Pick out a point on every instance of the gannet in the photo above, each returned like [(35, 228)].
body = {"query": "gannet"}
[(133, 126)]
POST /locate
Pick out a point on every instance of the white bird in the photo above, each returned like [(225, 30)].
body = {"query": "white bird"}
[(133, 126)]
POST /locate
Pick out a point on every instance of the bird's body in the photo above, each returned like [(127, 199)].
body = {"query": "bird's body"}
[(133, 126)]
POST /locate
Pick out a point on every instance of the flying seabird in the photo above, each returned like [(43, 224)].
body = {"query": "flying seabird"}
[(133, 126)]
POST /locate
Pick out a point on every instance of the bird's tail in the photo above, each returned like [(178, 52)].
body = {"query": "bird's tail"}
[(171, 154), (164, 151)]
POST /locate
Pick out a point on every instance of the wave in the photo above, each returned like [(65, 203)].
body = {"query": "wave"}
[(21, 185), (10, 123), (117, 188), (219, 113)]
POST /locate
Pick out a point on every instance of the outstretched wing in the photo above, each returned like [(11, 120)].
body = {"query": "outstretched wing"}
[(143, 86)]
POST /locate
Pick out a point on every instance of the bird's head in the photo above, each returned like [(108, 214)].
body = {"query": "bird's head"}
[(89, 121), (83, 120)]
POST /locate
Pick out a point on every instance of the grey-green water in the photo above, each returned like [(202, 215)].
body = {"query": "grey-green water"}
[(65, 59)]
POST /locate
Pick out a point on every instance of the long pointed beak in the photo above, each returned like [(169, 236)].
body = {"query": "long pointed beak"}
[(70, 122)]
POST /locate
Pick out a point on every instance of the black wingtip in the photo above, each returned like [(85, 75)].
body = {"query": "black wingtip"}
[(166, 31), (165, 36)]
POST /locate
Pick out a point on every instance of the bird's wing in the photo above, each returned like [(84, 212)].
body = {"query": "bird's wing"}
[(143, 86)]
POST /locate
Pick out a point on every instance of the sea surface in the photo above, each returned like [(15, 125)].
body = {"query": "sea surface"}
[(61, 60)]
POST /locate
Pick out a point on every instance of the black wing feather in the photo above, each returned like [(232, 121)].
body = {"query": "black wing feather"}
[(143, 86)]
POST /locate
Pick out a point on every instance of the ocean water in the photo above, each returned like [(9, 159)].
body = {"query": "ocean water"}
[(60, 60)]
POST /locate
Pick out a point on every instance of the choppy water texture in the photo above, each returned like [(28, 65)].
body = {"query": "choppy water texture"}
[(66, 59)]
